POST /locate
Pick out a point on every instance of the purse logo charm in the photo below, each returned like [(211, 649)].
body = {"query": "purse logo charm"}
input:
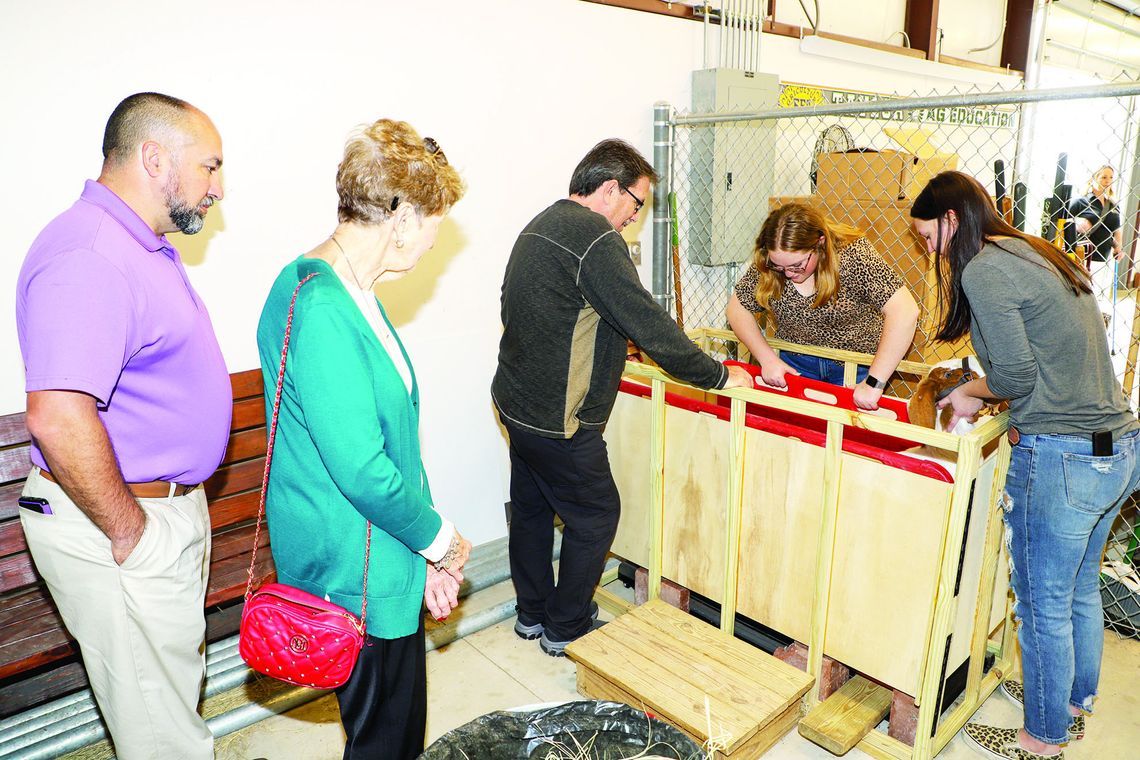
[(298, 644)]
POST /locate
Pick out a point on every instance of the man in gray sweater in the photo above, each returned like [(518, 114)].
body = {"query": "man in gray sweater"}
[(571, 299)]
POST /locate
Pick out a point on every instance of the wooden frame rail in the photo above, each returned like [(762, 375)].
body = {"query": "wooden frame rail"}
[(942, 608)]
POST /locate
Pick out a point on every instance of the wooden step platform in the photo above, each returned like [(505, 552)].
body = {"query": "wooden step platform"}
[(841, 721), (693, 676)]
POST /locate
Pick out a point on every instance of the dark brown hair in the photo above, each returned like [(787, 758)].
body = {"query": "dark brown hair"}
[(610, 159), (978, 223)]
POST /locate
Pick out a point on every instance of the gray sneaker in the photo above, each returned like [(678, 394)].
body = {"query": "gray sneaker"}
[(531, 631), (558, 648)]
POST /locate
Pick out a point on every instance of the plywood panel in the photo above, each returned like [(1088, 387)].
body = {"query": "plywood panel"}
[(696, 496), (783, 488), (627, 442), (886, 570), (696, 491)]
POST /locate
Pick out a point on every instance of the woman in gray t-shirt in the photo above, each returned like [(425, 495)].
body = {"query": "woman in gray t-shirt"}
[(1037, 330)]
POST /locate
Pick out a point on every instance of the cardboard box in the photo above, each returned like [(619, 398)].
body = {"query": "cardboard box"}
[(879, 176)]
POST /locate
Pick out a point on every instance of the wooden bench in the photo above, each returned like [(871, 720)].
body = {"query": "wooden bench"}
[(39, 660)]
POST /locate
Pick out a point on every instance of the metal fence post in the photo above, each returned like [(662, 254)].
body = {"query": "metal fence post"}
[(661, 163)]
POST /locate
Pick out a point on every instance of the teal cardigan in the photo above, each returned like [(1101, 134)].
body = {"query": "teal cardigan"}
[(347, 450)]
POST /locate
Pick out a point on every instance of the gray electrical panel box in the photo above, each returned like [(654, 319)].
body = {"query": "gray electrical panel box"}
[(731, 166)]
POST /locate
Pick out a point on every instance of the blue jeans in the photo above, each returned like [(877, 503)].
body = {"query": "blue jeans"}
[(1060, 503), (827, 370)]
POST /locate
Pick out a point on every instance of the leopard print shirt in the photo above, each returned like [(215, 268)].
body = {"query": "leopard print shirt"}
[(853, 321)]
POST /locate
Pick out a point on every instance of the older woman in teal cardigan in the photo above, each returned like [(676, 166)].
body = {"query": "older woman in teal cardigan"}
[(347, 451)]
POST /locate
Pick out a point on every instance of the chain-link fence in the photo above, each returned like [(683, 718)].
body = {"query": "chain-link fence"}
[(1062, 164)]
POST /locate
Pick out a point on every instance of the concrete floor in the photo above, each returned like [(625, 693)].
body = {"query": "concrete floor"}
[(494, 669)]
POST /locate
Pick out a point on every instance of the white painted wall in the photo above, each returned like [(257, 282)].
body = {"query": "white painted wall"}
[(515, 91)]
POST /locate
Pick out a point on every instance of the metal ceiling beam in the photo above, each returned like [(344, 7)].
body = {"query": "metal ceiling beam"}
[(1086, 10), (1126, 65)]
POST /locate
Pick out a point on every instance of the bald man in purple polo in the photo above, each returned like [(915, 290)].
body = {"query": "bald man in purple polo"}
[(129, 409)]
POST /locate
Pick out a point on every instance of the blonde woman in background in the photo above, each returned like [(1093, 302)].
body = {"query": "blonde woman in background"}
[(825, 285), (1097, 219)]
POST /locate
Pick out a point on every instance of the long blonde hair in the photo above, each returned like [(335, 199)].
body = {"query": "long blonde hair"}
[(799, 227)]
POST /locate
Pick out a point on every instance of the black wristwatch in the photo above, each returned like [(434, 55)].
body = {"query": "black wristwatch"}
[(874, 382)]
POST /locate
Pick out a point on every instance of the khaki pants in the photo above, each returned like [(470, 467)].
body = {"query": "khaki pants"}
[(140, 626)]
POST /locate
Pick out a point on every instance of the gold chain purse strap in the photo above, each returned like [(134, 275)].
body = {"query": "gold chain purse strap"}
[(269, 460)]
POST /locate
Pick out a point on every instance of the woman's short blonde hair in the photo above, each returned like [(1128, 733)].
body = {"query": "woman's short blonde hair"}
[(387, 163)]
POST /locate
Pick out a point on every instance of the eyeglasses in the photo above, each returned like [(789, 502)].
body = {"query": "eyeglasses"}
[(636, 200), (793, 268)]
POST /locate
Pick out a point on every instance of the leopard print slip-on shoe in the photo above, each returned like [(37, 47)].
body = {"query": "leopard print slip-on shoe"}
[(1015, 691), (1001, 743)]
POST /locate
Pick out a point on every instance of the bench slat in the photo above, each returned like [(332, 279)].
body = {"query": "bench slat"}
[(248, 413), (235, 542), (15, 462), (11, 538), (9, 495), (42, 618), (236, 478), (13, 429), (245, 444), (28, 692), (228, 582), (24, 605), (231, 510), (246, 384), (16, 571)]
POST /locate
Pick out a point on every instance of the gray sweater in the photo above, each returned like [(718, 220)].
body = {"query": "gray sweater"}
[(1042, 347), (571, 298)]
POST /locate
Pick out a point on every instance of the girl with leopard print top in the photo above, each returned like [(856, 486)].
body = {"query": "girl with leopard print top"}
[(825, 285)]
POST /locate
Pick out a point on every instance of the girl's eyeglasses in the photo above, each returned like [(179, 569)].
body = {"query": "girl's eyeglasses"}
[(793, 268)]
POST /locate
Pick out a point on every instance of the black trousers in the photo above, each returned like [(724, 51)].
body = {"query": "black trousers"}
[(570, 478), (383, 706)]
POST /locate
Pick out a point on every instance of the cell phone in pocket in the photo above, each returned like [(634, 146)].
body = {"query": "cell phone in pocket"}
[(35, 504), (1102, 443)]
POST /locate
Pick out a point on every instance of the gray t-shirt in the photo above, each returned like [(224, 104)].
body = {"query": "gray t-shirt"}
[(1042, 347)]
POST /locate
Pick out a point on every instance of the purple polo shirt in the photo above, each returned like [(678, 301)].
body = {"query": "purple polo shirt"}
[(103, 306)]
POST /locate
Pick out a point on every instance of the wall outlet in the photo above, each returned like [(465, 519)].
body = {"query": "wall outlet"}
[(635, 252)]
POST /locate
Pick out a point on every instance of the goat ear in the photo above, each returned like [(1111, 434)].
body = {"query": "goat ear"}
[(920, 407), (944, 418)]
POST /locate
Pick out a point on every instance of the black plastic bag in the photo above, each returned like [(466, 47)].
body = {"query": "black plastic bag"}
[(606, 730)]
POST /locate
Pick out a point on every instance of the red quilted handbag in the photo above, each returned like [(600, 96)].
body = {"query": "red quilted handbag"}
[(287, 633)]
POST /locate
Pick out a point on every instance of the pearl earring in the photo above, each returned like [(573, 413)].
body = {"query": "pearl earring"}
[(399, 243)]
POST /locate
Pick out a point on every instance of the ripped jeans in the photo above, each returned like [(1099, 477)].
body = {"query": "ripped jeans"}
[(1060, 505)]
